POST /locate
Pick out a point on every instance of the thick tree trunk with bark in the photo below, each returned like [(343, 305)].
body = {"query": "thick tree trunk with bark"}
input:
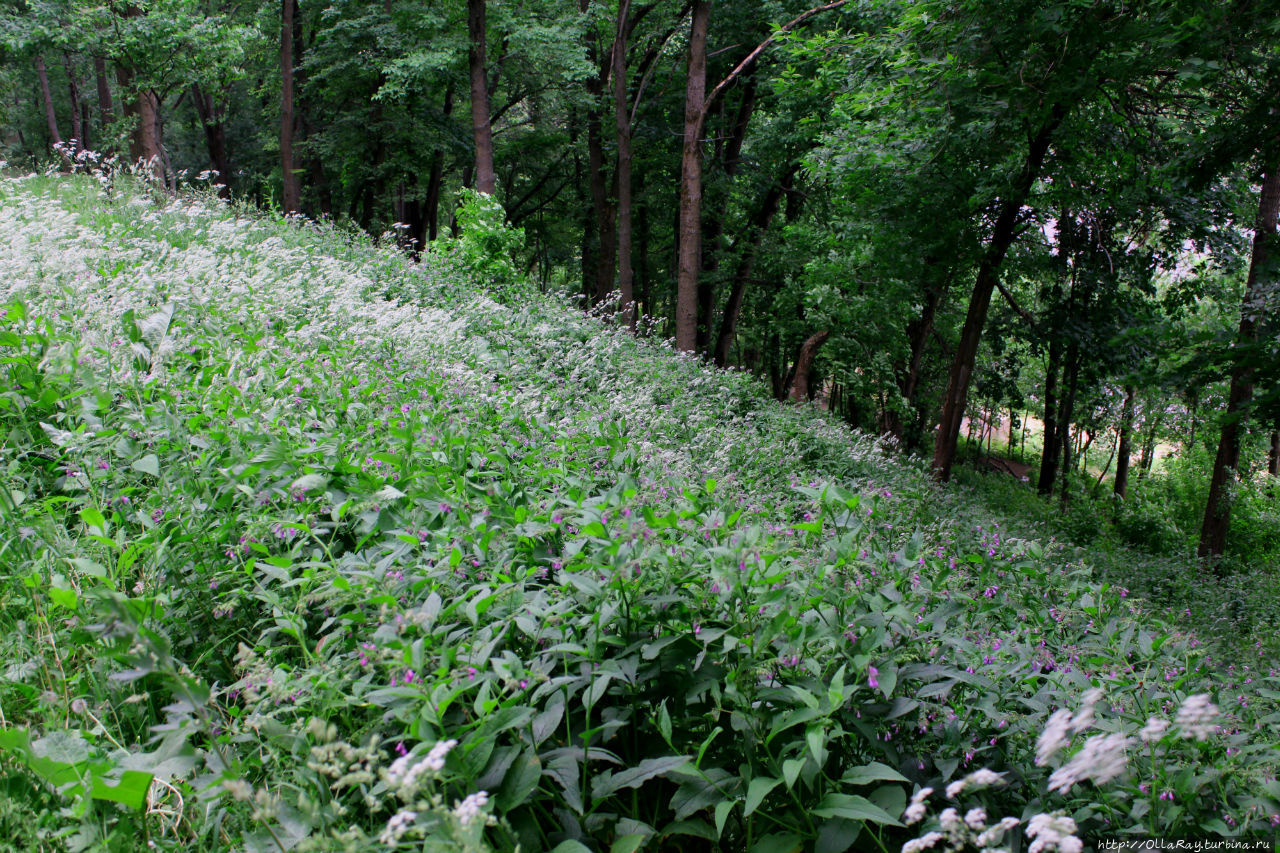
[(106, 111), (1002, 236), (291, 195), (622, 119), (481, 128), (1217, 513), (1125, 450), (800, 390), (144, 143), (689, 257), (46, 95), (215, 137)]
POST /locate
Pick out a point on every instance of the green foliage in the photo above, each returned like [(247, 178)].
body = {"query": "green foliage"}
[(308, 537), (488, 246)]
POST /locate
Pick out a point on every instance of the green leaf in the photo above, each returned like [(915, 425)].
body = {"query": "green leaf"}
[(309, 483), (664, 721), (130, 791), (853, 807), (757, 791), (723, 810), (94, 518), (520, 781), (873, 772), (149, 464), (791, 771), (837, 835), (633, 777), (778, 842), (571, 846), (627, 844)]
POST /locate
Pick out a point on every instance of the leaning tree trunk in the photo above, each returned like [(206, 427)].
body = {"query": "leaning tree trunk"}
[(1126, 437), (50, 117), (291, 197), (804, 364), (481, 127), (1003, 235), (1217, 512), (756, 230)]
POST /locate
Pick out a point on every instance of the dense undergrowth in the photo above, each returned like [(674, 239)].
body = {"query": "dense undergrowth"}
[(311, 547)]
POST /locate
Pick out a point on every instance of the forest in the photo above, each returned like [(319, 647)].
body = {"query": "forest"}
[(608, 425)]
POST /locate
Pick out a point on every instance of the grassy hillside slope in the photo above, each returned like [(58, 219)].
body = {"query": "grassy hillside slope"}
[(289, 515)]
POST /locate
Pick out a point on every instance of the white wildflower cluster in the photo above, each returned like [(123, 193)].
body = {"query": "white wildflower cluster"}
[(397, 826), (1153, 730), (1063, 724), (1053, 832), (975, 781), (1197, 718), (915, 811), (957, 830), (406, 771), (471, 808), (1101, 760)]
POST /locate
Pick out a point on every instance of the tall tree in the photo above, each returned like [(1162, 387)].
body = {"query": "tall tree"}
[(46, 97), (481, 120), (291, 197), (1259, 286), (622, 117)]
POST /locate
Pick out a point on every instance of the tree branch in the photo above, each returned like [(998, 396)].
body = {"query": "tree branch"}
[(755, 54)]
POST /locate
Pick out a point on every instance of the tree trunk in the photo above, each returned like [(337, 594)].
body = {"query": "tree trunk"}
[(436, 177), (291, 195), (481, 129), (604, 213), (106, 111), (1123, 452), (756, 229), (1217, 513), (622, 116), (1273, 459), (73, 91), (50, 117), (918, 332), (215, 137), (1003, 235), (804, 364), (1071, 375), (690, 231)]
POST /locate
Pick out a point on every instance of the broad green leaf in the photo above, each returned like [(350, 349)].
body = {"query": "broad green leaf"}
[(853, 807), (149, 464), (757, 791), (633, 777), (873, 772), (779, 842), (627, 844)]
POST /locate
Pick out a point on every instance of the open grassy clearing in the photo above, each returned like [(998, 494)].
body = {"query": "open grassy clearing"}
[(288, 513)]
